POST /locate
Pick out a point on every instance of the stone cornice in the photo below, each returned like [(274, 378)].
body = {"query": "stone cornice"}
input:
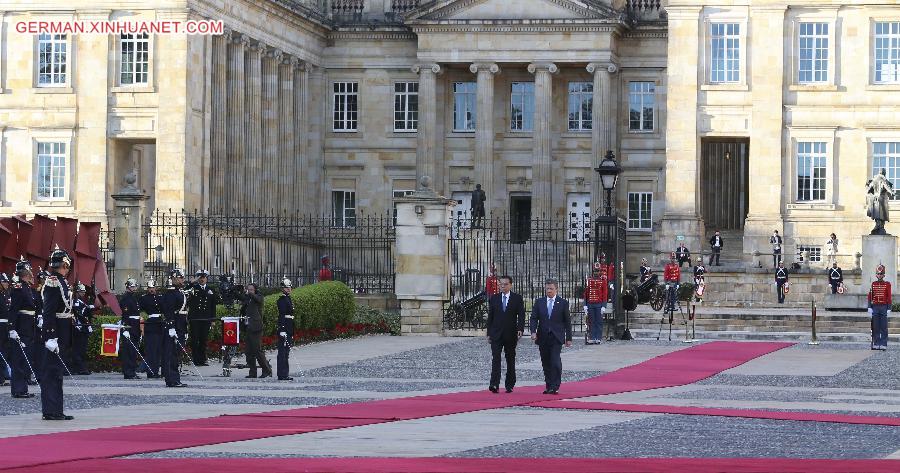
[(511, 27), (444, 8), (368, 34)]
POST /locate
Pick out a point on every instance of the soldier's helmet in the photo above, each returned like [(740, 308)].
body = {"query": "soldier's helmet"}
[(130, 282), (602, 256), (699, 259), (176, 273), (22, 266), (79, 287), (202, 272), (59, 258), (880, 270), (151, 283), (597, 266), (285, 282), (325, 260), (4, 278), (493, 268)]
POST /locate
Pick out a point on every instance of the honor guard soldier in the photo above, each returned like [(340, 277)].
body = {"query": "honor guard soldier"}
[(835, 278), (201, 314), (37, 352), (5, 365), (775, 240), (22, 307), (645, 269), (285, 330), (57, 334), (781, 280), (596, 294), (152, 304), (609, 271), (672, 278), (174, 303), (699, 278), (325, 274), (84, 318), (683, 255), (492, 285), (131, 330), (880, 309)]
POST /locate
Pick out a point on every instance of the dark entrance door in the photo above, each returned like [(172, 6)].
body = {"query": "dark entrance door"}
[(724, 181), (520, 218)]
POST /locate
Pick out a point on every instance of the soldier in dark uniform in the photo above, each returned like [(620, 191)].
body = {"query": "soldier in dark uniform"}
[(835, 277), (37, 352), (781, 278), (57, 335), (131, 330), (699, 279), (285, 330), (174, 305), (151, 304), (880, 308), (84, 317), (201, 313), (22, 307), (4, 328)]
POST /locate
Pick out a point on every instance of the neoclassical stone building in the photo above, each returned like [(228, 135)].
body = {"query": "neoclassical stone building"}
[(739, 116)]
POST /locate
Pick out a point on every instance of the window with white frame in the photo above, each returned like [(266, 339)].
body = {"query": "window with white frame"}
[(52, 60), (345, 105), (343, 205), (812, 48), (640, 210), (521, 109), (815, 253), (581, 106), (464, 94), (887, 52), (641, 105), (725, 53), (406, 106), (51, 171), (886, 155), (398, 195), (811, 169), (134, 60)]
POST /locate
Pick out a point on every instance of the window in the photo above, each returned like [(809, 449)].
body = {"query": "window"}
[(52, 60), (641, 103), (887, 52), (640, 209), (815, 253), (725, 52), (813, 49), (522, 106), (578, 209), (886, 155), (406, 106), (581, 105), (463, 106), (398, 195), (811, 169), (51, 171), (343, 204), (135, 59), (345, 106)]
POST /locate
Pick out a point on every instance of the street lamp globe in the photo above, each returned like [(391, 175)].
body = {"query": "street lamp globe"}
[(609, 171)]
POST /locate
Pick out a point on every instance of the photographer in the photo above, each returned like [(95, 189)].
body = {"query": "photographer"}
[(252, 309)]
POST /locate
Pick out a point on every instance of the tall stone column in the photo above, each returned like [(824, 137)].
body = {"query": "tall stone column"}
[(218, 118), (287, 153), (309, 135), (484, 134), (604, 125), (681, 216), (270, 193), (427, 137), (234, 168), (252, 120), (129, 218), (547, 199)]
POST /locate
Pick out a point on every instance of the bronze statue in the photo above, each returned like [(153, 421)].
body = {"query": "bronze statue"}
[(879, 192), (478, 198)]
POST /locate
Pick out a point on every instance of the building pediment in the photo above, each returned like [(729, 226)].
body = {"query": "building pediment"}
[(480, 10)]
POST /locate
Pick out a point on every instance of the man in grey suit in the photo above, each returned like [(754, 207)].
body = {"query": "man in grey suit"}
[(253, 311), (550, 329)]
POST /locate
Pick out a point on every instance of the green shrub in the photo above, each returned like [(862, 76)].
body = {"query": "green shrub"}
[(376, 318), (323, 305)]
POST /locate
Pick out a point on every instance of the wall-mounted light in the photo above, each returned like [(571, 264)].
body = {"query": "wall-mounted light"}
[(125, 212), (728, 156)]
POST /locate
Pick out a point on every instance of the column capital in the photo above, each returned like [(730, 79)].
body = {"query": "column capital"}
[(433, 67), (240, 38), (542, 66), (275, 53), (259, 47), (609, 67), (491, 67), (227, 34)]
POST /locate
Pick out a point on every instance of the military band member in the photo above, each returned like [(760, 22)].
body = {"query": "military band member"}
[(672, 278), (609, 270), (174, 303), (201, 314), (781, 278), (22, 307), (596, 294), (285, 330), (775, 240), (131, 330), (57, 334), (683, 255), (835, 277), (492, 284), (880, 308), (152, 304), (4, 328), (716, 243), (325, 274), (646, 270), (84, 318), (699, 279)]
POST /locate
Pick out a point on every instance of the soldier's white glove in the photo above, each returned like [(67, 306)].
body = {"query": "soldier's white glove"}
[(869, 311), (172, 332), (13, 335), (91, 307), (40, 322), (52, 345), (585, 309), (282, 334), (186, 335), (90, 329), (126, 334)]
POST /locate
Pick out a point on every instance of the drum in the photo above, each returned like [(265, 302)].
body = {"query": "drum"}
[(110, 345), (231, 331), (840, 288), (700, 288), (787, 287)]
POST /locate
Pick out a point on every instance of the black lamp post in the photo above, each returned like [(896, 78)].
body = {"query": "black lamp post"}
[(609, 171)]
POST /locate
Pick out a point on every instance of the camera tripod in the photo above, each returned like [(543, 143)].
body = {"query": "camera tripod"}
[(669, 310)]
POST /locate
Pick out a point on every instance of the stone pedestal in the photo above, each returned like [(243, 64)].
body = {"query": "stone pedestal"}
[(422, 262), (130, 247), (879, 249)]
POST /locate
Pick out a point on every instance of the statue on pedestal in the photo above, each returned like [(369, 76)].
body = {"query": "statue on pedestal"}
[(478, 199), (879, 192)]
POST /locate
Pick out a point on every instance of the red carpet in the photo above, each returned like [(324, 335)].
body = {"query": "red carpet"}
[(720, 412), (673, 369), (469, 465)]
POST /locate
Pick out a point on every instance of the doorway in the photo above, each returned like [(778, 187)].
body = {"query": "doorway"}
[(520, 218), (724, 180)]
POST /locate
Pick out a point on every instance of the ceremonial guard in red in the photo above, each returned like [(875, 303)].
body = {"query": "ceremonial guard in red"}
[(325, 273), (596, 294), (672, 278), (879, 309), (492, 285)]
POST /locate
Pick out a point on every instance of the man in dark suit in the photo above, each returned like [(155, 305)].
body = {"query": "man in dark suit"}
[(505, 325), (550, 329)]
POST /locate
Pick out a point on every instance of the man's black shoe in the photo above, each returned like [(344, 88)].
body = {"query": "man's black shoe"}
[(250, 376), (546, 391), (57, 417), (177, 385), (509, 390), (266, 375), (4, 383), (494, 389), (133, 377), (23, 396), (285, 379), (554, 391)]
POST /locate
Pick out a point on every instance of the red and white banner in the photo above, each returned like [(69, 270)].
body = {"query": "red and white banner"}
[(110, 340), (231, 331)]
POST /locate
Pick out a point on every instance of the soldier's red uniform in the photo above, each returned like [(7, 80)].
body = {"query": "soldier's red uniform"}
[(492, 285), (672, 273), (597, 290), (880, 294)]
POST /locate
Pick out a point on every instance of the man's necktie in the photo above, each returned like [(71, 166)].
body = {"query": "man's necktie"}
[(504, 302), (549, 308)]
